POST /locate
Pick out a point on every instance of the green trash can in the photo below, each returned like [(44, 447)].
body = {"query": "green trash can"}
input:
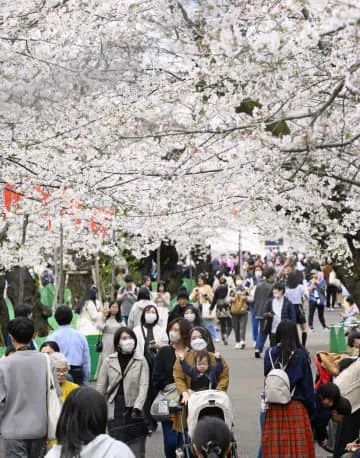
[(342, 347), (337, 340), (333, 345), (94, 356)]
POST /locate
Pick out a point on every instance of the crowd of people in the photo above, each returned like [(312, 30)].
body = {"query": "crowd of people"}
[(154, 358)]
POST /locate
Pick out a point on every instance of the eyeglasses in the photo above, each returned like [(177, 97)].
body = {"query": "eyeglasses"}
[(62, 371)]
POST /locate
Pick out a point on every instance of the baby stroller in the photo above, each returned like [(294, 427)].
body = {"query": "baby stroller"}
[(208, 403)]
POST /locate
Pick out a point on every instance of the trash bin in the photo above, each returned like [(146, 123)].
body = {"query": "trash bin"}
[(94, 356)]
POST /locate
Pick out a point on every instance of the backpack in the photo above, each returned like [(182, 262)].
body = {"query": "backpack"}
[(239, 306), (277, 384)]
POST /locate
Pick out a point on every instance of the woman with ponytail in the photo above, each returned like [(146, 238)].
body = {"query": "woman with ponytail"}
[(211, 438)]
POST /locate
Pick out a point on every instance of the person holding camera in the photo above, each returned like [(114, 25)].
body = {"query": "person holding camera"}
[(317, 299), (127, 296)]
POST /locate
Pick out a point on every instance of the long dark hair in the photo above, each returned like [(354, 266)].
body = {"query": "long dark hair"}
[(288, 341), (83, 418), (118, 316), (212, 437), (90, 295), (292, 280)]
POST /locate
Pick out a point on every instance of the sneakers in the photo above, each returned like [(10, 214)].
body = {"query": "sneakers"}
[(326, 329), (257, 354), (242, 345), (225, 340), (311, 330), (237, 346), (217, 340)]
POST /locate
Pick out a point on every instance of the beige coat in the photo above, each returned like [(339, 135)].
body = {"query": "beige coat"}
[(348, 383), (135, 380)]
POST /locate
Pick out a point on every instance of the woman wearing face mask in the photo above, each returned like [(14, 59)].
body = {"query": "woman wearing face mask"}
[(138, 308), (192, 315), (162, 375), (124, 380), (150, 338), (198, 341)]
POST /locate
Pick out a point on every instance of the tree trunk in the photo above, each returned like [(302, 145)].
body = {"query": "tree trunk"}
[(20, 298)]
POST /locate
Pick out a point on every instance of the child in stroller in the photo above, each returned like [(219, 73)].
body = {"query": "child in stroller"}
[(203, 375)]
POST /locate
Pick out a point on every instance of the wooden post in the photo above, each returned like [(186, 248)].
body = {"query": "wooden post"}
[(240, 253), (61, 267), (97, 277), (158, 264)]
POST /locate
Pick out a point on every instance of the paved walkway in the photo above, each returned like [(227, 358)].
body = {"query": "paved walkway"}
[(246, 383)]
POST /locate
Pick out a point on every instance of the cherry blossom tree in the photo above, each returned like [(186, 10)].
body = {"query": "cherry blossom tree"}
[(175, 114)]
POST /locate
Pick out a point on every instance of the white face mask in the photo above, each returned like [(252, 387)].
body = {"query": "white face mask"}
[(198, 344), (174, 336), (258, 274), (239, 283), (277, 295), (190, 317), (150, 317), (127, 346)]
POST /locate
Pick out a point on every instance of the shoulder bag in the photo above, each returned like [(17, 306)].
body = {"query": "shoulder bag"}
[(165, 399), (52, 402), (99, 344)]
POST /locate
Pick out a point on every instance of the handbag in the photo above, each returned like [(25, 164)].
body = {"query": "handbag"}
[(128, 428), (99, 344), (52, 402), (168, 397)]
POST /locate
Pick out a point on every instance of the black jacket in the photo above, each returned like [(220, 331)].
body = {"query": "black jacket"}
[(176, 312)]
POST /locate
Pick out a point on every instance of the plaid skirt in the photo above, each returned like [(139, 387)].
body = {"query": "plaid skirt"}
[(287, 432)]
